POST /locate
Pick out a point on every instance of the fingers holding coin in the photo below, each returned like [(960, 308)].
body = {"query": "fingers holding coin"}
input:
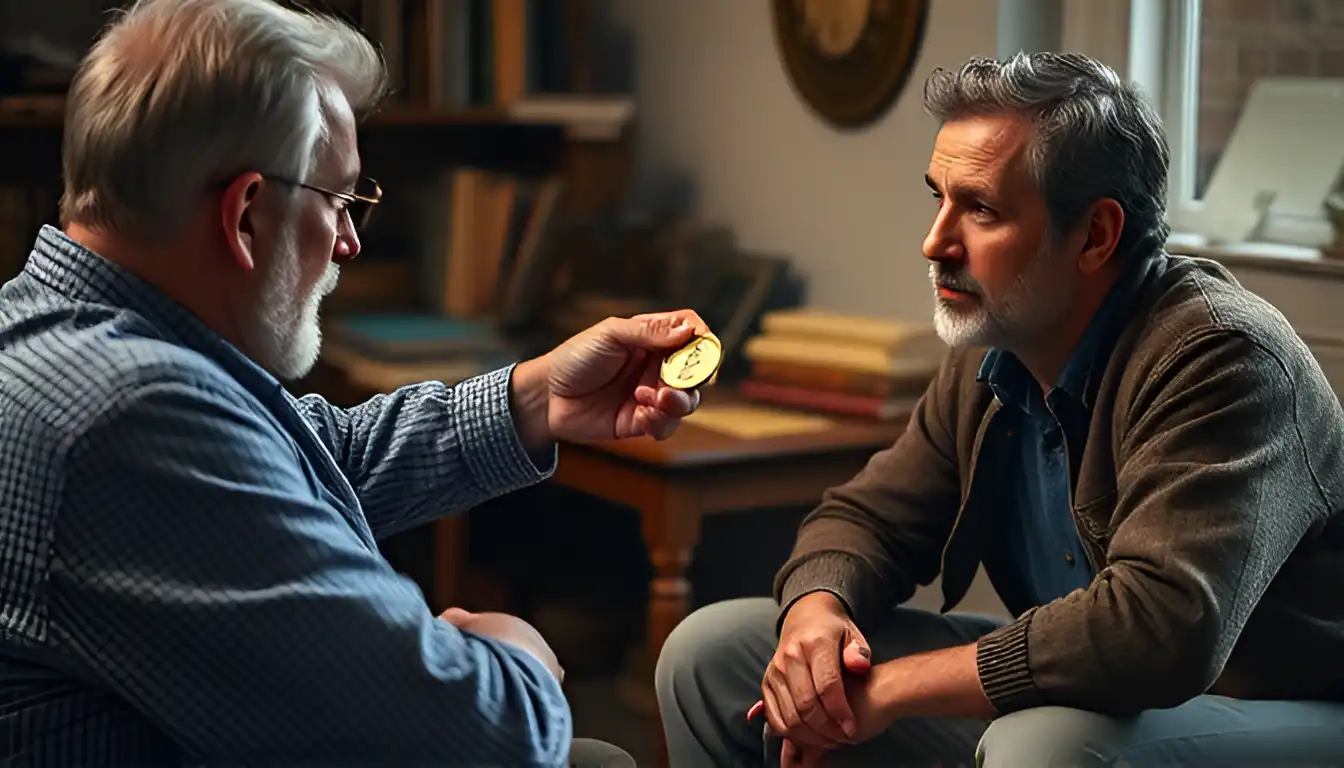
[(675, 393), (662, 408)]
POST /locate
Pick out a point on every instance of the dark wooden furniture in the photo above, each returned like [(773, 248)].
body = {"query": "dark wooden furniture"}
[(697, 472)]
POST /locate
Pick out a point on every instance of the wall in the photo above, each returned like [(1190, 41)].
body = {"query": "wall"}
[(717, 111), (850, 209)]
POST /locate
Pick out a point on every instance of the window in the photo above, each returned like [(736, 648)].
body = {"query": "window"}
[(1243, 40), (1198, 58)]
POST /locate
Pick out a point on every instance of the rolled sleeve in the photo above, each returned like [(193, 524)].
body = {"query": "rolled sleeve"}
[(427, 450), (495, 455)]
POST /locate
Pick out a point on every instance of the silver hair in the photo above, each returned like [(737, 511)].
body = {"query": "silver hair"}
[(1095, 136), (179, 95)]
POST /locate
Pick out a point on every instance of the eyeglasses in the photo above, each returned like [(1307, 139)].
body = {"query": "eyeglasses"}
[(359, 203)]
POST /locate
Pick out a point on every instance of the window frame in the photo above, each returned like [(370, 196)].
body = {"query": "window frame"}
[(1155, 44), (1180, 109)]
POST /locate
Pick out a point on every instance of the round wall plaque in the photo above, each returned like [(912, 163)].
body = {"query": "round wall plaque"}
[(849, 59)]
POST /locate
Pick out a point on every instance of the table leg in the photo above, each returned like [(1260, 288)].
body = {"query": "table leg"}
[(670, 595), (450, 559), (671, 530)]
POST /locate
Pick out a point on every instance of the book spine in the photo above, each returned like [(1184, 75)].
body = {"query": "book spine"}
[(815, 400), (857, 333), (824, 379), (817, 354)]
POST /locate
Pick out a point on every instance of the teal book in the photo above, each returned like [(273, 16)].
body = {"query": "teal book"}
[(416, 337)]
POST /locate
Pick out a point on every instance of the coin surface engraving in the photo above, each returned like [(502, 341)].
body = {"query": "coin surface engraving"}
[(693, 364)]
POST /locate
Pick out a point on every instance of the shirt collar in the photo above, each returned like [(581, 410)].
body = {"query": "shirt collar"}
[(73, 271), (1009, 378)]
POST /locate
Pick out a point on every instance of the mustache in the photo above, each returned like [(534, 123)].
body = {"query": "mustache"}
[(953, 281)]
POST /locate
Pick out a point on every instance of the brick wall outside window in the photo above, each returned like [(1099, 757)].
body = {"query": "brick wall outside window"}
[(1243, 40)]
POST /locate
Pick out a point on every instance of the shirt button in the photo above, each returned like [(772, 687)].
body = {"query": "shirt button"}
[(1068, 558)]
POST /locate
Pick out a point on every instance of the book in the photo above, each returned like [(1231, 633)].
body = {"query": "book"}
[(837, 355), (387, 376), (415, 337), (838, 403), (829, 379), (899, 338)]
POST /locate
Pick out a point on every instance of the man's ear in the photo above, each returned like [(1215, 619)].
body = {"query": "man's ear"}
[(1104, 226), (237, 216)]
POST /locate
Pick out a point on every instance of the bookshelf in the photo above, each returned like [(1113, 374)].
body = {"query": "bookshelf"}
[(47, 112), (40, 113), (489, 85), (507, 104)]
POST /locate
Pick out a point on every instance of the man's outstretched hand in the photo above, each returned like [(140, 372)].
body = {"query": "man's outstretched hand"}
[(604, 384)]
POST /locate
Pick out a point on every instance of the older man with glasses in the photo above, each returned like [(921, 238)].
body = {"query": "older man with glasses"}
[(189, 567)]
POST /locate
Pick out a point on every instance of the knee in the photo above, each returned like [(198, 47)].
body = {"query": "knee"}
[(589, 753), (1050, 737), (694, 645), (702, 646)]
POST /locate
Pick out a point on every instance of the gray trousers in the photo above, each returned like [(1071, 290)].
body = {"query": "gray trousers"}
[(710, 672), (591, 753)]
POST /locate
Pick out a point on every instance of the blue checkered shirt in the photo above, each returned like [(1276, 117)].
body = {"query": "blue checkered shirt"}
[(189, 571)]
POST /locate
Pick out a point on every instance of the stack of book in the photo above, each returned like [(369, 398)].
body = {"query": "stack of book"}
[(841, 364), (384, 351)]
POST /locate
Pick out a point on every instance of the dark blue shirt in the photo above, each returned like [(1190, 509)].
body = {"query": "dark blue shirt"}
[(1036, 554)]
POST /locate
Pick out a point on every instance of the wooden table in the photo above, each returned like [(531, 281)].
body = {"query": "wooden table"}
[(697, 472)]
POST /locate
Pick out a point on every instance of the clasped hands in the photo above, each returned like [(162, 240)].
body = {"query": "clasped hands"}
[(820, 689)]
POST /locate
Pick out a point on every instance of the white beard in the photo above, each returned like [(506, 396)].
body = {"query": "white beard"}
[(1038, 299), (286, 336)]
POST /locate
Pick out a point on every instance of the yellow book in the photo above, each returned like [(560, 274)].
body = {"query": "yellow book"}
[(900, 337), (848, 356)]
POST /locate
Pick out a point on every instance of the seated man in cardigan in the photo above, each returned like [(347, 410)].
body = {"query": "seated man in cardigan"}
[(1143, 455)]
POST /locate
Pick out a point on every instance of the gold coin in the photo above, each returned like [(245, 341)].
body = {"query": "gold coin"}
[(693, 364)]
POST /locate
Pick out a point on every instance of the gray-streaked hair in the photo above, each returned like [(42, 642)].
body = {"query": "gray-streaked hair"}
[(1095, 136), (178, 95)]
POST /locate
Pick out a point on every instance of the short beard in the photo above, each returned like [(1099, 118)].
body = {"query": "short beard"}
[(1031, 308), (286, 333)]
